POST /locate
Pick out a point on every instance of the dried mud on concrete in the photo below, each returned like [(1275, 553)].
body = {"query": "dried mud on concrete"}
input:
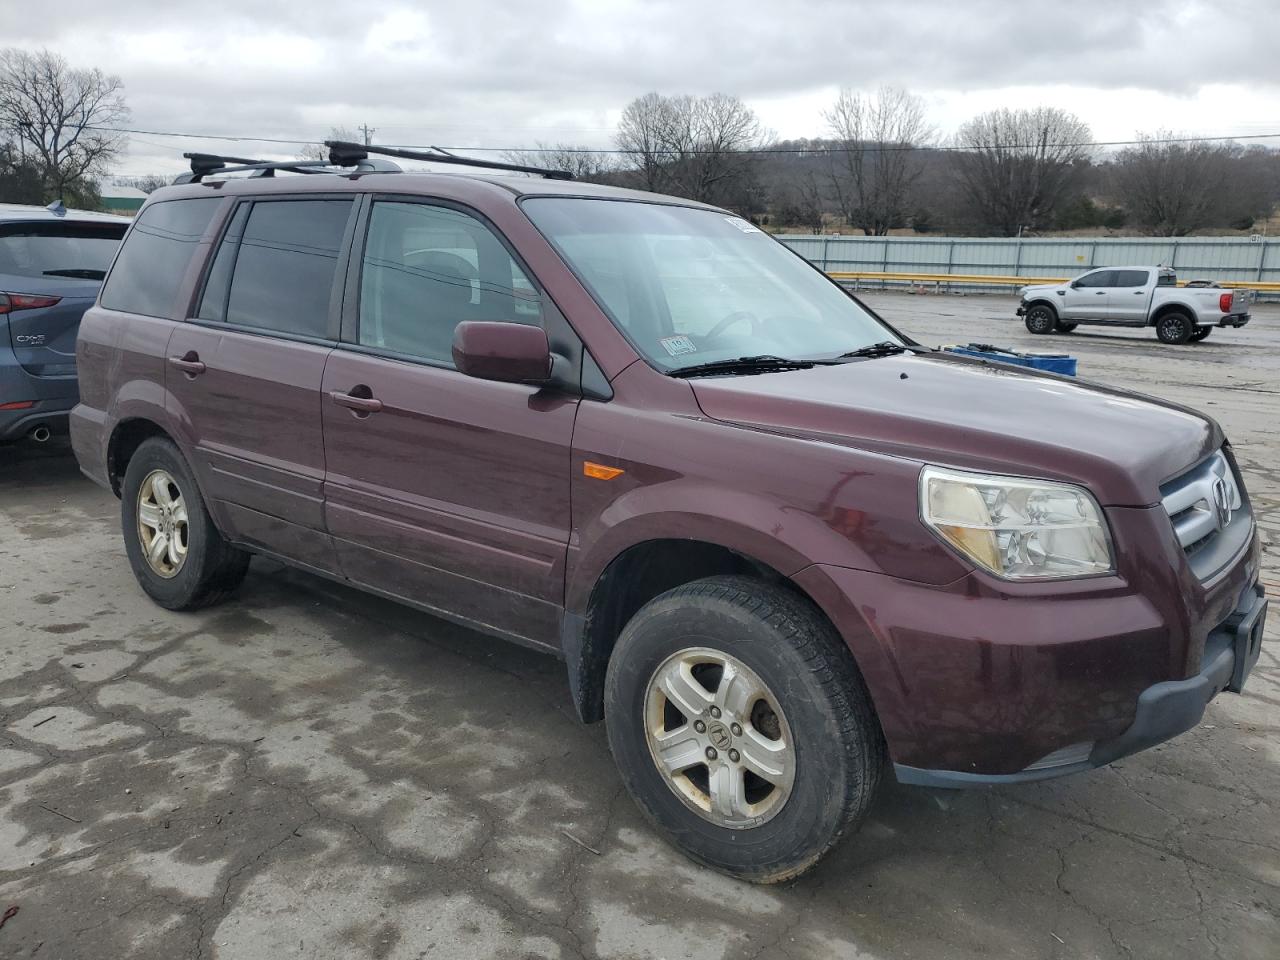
[(305, 771)]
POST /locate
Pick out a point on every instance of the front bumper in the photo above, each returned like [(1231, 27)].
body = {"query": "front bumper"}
[(1164, 710), (979, 681)]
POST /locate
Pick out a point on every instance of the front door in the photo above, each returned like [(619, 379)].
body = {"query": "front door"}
[(1089, 297), (441, 489), (245, 373)]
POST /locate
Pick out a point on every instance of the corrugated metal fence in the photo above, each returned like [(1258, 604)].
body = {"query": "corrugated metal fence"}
[(1223, 259)]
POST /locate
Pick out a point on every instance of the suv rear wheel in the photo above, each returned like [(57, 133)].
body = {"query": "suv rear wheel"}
[(1041, 318), (1174, 327), (177, 554), (741, 726)]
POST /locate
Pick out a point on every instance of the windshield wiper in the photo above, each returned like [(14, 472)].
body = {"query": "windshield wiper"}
[(81, 273), (882, 349), (761, 364)]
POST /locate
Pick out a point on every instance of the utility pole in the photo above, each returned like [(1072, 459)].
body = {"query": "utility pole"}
[(367, 132)]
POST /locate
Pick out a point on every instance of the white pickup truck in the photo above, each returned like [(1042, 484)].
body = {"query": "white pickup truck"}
[(1133, 297)]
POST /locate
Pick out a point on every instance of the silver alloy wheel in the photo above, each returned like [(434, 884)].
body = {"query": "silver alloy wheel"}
[(162, 523), (719, 738)]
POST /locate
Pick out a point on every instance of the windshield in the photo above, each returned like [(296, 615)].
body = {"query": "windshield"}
[(690, 286), (80, 251)]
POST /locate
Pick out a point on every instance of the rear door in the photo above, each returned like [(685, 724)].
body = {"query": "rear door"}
[(245, 372), (1089, 296), (454, 493), (50, 272), (1130, 296)]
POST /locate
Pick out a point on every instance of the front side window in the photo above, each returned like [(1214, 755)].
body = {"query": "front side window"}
[(71, 250), (428, 268), (156, 253), (1099, 278), (690, 286)]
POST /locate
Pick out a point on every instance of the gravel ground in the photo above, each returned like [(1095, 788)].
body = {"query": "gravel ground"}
[(306, 771)]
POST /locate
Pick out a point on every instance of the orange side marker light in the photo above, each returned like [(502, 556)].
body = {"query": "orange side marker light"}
[(598, 471)]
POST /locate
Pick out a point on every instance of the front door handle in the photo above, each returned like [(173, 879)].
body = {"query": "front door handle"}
[(354, 401), (189, 363)]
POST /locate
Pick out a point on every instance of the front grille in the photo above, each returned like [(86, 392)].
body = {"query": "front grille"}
[(1209, 513)]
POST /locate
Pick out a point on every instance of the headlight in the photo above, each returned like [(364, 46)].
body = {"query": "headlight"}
[(1017, 529)]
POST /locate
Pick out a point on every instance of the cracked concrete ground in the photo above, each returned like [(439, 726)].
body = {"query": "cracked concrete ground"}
[(306, 771)]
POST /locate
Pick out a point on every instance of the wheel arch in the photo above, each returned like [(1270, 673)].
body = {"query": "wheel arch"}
[(126, 436), (1045, 302), (1173, 307), (633, 577)]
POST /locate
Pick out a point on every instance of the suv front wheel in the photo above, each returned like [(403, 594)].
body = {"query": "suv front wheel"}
[(177, 554), (741, 726), (1041, 319)]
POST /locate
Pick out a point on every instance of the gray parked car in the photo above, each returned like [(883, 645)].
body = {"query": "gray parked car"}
[(1134, 297), (52, 261)]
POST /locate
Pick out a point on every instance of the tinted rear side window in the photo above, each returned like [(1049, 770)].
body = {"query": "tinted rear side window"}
[(76, 251), (1130, 278), (155, 256), (285, 265)]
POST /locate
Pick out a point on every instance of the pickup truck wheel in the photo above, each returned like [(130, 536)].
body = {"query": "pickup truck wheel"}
[(1174, 327), (1041, 319), (1064, 327), (180, 559), (1201, 333), (742, 727)]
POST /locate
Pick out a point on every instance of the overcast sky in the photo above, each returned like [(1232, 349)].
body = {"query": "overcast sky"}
[(512, 72)]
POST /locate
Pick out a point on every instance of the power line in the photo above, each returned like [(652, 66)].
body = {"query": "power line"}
[(873, 148)]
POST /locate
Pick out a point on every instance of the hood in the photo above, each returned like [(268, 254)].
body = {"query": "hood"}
[(954, 411), (1038, 289)]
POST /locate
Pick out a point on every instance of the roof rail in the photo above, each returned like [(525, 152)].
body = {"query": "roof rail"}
[(346, 149), (204, 164)]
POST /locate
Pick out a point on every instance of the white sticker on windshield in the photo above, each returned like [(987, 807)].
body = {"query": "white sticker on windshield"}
[(677, 346), (743, 225)]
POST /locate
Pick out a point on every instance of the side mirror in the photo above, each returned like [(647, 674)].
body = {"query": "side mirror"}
[(1075, 284), (506, 352)]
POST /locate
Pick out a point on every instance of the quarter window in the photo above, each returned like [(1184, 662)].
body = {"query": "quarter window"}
[(428, 268), (155, 256)]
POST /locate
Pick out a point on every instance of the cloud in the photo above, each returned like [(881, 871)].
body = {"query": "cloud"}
[(487, 72)]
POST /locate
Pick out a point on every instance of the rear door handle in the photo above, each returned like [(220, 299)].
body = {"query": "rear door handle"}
[(190, 363), (355, 402), (1102, 293)]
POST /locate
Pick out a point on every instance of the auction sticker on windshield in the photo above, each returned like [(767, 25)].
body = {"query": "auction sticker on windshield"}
[(743, 225), (678, 346)]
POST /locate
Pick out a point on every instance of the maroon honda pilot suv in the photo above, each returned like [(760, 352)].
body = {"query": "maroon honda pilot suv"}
[(778, 544)]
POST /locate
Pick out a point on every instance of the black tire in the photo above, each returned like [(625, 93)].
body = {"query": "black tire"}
[(1064, 327), (1041, 318), (1174, 327), (211, 568), (839, 751), (1200, 333)]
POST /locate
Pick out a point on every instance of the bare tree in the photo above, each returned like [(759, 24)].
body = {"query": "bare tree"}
[(643, 132), (696, 147), (875, 160), (1016, 166), (318, 151), (59, 117), (147, 183), (801, 201), (583, 162), (1171, 189)]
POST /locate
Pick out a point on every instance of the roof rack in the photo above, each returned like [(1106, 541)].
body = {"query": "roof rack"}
[(347, 150), (204, 164)]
